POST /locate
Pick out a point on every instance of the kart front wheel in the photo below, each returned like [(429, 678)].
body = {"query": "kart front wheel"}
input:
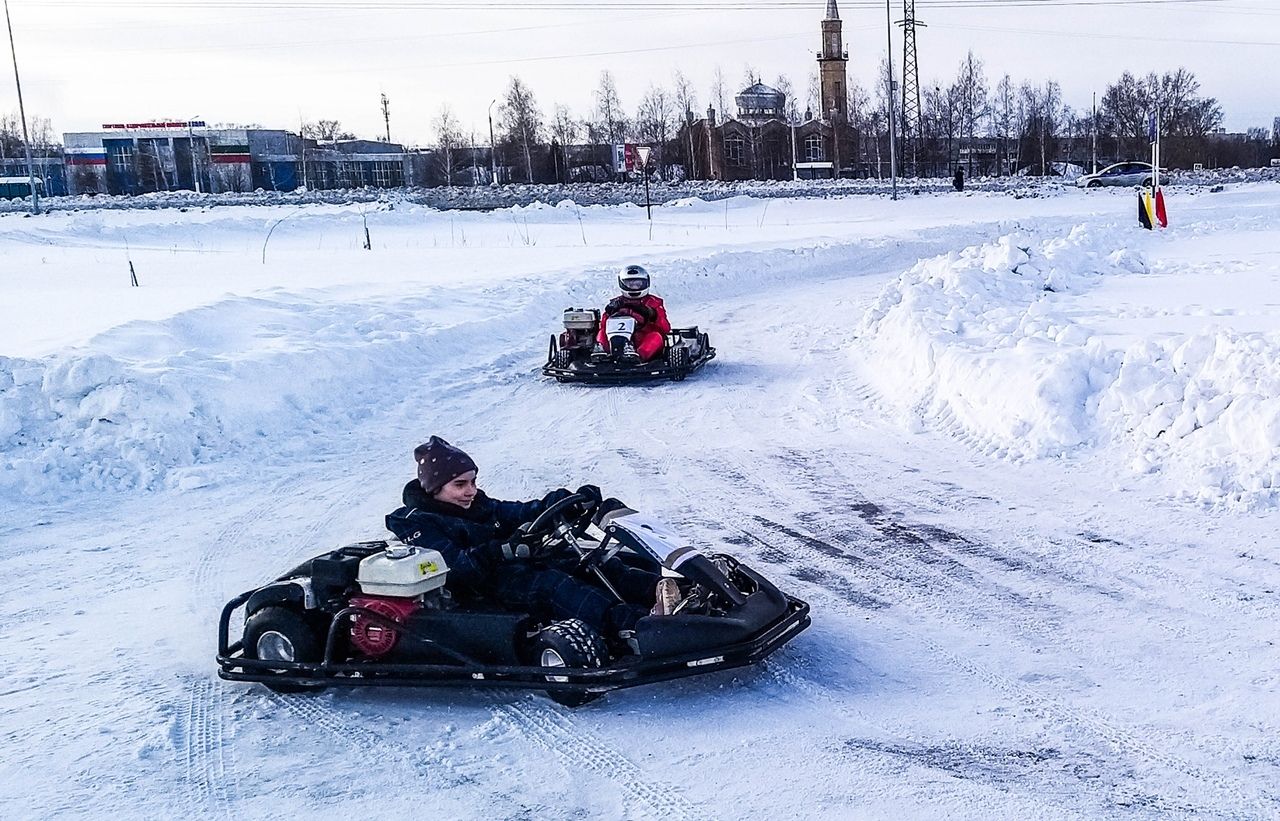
[(569, 643), (282, 634)]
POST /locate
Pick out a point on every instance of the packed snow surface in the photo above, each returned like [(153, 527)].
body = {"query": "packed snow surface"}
[(1020, 455)]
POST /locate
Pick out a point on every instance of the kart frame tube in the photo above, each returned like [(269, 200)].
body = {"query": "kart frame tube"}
[(594, 680)]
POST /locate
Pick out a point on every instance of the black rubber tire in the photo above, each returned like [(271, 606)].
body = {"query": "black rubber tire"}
[(563, 358), (1093, 184), (577, 645), (291, 627), (678, 360), (1148, 183)]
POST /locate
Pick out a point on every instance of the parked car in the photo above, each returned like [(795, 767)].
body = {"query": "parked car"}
[(1122, 173)]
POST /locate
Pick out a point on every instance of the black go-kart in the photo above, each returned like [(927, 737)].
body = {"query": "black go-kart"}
[(570, 355), (379, 613)]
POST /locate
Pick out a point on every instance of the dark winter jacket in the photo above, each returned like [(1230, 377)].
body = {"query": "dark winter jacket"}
[(470, 539)]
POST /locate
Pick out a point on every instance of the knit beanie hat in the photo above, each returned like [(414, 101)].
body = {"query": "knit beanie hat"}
[(440, 463)]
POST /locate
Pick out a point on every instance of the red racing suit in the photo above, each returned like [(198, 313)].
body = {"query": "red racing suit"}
[(652, 325)]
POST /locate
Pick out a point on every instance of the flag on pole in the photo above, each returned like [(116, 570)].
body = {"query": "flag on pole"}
[(1161, 216), (1144, 215), (1151, 127)]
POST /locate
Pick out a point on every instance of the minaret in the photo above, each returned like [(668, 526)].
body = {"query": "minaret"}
[(832, 77)]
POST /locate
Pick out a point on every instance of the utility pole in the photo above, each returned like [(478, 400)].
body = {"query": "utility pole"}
[(493, 149), (386, 115), (911, 107), (1093, 129), (26, 138), (893, 158), (191, 146)]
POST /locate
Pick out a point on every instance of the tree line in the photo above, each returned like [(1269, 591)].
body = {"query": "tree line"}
[(1007, 127)]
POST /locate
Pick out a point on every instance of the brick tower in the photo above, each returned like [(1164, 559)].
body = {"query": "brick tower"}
[(832, 76)]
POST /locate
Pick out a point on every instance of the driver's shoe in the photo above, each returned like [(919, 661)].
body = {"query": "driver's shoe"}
[(666, 596), (629, 353), (598, 353)]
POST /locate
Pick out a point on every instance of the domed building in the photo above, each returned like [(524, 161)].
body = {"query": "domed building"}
[(760, 142)]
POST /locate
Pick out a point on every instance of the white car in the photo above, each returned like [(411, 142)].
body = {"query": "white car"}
[(1122, 173)]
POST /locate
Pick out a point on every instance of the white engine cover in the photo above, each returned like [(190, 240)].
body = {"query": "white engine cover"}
[(402, 570)]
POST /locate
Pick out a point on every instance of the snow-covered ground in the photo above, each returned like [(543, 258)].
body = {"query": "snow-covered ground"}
[(1021, 457)]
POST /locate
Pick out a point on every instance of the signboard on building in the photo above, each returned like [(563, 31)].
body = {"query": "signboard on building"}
[(159, 124)]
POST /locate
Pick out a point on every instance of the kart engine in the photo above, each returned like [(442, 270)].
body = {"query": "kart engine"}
[(395, 584), (580, 326), (372, 638)]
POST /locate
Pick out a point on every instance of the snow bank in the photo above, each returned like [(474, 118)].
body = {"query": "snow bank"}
[(978, 343)]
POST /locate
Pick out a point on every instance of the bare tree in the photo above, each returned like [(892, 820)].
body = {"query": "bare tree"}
[(971, 102), (522, 122), (565, 130), (791, 109), (1003, 109), (686, 103), (326, 131), (655, 121), (683, 94), (449, 139), (610, 123), (718, 92)]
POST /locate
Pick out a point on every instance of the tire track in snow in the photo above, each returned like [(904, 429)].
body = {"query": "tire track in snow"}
[(837, 560), (1129, 742), (430, 766), (553, 730)]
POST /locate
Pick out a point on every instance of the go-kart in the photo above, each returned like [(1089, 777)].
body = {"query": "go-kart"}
[(380, 613), (569, 357)]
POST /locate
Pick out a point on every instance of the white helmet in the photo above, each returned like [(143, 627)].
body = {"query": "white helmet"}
[(634, 281)]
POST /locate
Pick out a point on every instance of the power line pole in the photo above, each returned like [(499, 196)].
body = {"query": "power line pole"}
[(493, 149), (911, 126), (1093, 129), (386, 115), (22, 111), (893, 159)]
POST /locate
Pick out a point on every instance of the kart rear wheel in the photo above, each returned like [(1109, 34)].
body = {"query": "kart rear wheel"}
[(281, 634), (678, 359), (569, 643), (563, 358)]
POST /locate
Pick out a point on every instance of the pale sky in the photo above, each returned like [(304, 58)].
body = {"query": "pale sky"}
[(274, 62)]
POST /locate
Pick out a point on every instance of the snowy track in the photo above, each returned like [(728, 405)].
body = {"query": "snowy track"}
[(992, 638)]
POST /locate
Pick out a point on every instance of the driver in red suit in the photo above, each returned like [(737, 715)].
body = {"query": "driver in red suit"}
[(652, 325)]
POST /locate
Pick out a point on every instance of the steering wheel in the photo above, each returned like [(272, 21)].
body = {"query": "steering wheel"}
[(553, 523), (552, 516)]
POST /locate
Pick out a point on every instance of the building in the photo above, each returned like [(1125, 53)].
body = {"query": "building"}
[(139, 158), (760, 143), (51, 177)]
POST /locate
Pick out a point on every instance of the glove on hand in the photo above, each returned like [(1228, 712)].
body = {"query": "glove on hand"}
[(649, 314), (614, 306), (592, 495), (519, 548)]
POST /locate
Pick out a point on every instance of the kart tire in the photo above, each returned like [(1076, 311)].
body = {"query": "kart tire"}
[(569, 643), (678, 359), (282, 634), (563, 358)]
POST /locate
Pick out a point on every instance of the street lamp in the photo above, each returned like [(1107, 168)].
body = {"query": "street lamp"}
[(643, 153), (493, 149), (26, 138)]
